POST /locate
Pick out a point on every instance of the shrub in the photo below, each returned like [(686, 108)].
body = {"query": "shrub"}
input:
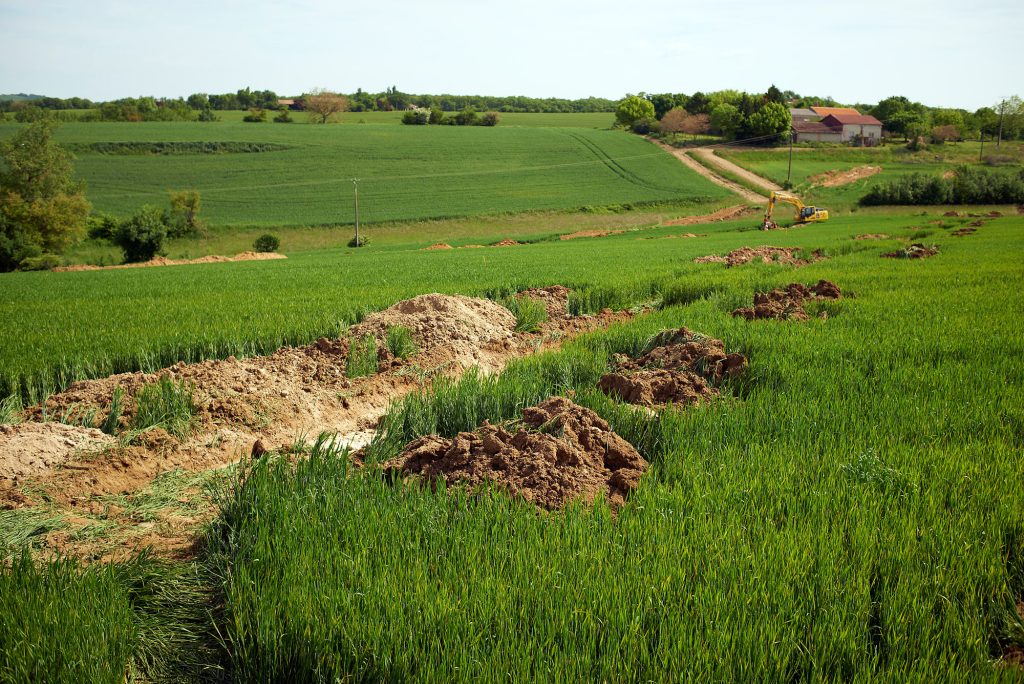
[(969, 185), (645, 125), (467, 117), (363, 241), (436, 116), (400, 342), (362, 357), (255, 116), (184, 216), (266, 243), (283, 117), (43, 262), (142, 236), (490, 119), (416, 117), (165, 404), (207, 114), (101, 227)]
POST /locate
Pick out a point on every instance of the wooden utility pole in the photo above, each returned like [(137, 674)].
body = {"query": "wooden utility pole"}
[(1002, 110), (981, 154), (789, 173), (355, 188)]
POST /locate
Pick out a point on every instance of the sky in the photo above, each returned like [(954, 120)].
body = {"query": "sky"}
[(942, 53)]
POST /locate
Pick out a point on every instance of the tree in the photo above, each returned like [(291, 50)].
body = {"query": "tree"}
[(324, 104), (663, 103), (772, 119), (185, 208), (775, 95), (906, 121), (941, 134), (42, 209), (697, 124), (678, 120), (726, 119), (142, 236), (631, 108)]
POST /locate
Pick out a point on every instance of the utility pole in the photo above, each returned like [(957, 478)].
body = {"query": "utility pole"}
[(981, 155), (1002, 110), (355, 188), (789, 174)]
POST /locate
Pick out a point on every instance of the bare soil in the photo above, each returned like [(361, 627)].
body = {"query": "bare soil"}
[(708, 154), (694, 165), (726, 214), (294, 392), (590, 234), (439, 245), (833, 179), (788, 303), (163, 261), (507, 242), (872, 236), (555, 299), (767, 255), (560, 453), (914, 251), (680, 368)]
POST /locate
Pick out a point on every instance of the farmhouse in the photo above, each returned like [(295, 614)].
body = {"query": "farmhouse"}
[(836, 124)]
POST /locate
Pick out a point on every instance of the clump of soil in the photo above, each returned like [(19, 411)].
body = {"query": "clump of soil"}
[(507, 242), (554, 298), (439, 245), (678, 367), (28, 448), (589, 234), (163, 261), (952, 213), (686, 235), (872, 236), (767, 255), (561, 453), (725, 214), (914, 251), (832, 179), (788, 303), (995, 214), (963, 232)]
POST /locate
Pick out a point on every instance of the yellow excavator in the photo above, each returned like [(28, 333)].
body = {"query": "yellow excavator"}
[(804, 214)]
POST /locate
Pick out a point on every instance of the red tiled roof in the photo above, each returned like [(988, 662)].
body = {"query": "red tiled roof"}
[(825, 111), (814, 127), (853, 119)]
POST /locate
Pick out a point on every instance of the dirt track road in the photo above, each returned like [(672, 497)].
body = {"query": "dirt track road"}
[(760, 181), (681, 155)]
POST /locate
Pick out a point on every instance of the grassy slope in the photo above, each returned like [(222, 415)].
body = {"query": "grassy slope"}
[(853, 515), (406, 172), (894, 160)]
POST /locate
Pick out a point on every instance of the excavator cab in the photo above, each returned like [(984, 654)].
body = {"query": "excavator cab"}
[(804, 214)]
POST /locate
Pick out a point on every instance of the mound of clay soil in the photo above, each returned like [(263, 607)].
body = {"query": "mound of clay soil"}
[(678, 367), (872, 236), (562, 452), (554, 298), (726, 214), (767, 255), (914, 251), (507, 242), (29, 448), (952, 213), (963, 232), (163, 261), (788, 303), (832, 179), (439, 245), (589, 234)]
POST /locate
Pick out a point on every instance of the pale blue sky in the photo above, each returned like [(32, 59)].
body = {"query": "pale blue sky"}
[(940, 52)]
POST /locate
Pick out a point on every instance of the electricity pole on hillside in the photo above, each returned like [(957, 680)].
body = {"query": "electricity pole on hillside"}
[(789, 174), (1002, 110), (355, 188)]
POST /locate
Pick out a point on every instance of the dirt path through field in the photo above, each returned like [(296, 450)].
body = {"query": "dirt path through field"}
[(709, 155), (93, 482), (681, 155)]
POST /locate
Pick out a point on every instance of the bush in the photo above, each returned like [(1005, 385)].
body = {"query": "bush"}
[(101, 227), (416, 117), (645, 125), (490, 119), (970, 185), (467, 117), (283, 117), (266, 243), (436, 116), (363, 241), (207, 114), (44, 262), (142, 236), (255, 116)]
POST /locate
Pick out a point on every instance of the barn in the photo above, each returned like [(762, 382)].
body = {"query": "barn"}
[(836, 125)]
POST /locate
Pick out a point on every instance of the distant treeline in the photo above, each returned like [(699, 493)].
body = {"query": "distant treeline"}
[(969, 185)]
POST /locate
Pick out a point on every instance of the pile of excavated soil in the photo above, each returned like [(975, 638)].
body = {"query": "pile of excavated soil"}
[(507, 242), (965, 231), (589, 234), (554, 298), (952, 213), (163, 261), (788, 303), (463, 327), (563, 452), (685, 235), (872, 236), (914, 251), (29, 448), (439, 245), (832, 179), (767, 255), (678, 367), (725, 214)]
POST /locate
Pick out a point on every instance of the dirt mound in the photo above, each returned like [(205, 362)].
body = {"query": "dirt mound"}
[(164, 261), (439, 245), (677, 367), (725, 214), (914, 251), (554, 298), (995, 214), (872, 236), (30, 448), (562, 452), (767, 255), (686, 235), (507, 242), (835, 178), (590, 234), (788, 303), (963, 232), (952, 213)]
